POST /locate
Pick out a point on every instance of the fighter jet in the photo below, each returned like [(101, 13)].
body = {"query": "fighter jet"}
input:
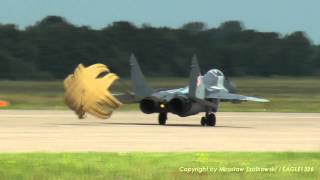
[(204, 93)]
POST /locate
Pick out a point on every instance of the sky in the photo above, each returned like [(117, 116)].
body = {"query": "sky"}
[(283, 16)]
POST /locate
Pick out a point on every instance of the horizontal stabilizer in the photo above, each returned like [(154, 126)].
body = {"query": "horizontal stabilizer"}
[(230, 96)]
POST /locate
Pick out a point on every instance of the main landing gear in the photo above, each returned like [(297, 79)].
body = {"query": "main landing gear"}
[(162, 118), (209, 120)]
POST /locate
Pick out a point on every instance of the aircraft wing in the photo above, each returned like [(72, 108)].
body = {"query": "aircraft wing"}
[(126, 98), (234, 97)]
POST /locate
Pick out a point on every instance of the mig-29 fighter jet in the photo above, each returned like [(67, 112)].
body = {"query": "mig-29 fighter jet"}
[(203, 94), (87, 91)]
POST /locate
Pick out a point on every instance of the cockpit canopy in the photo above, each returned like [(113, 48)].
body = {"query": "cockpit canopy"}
[(215, 72)]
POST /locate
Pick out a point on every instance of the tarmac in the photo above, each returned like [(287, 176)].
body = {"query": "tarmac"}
[(62, 131)]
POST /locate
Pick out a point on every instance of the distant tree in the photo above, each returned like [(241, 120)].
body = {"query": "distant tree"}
[(194, 27), (53, 21), (146, 25), (122, 25), (53, 47), (297, 57), (231, 26), (316, 60)]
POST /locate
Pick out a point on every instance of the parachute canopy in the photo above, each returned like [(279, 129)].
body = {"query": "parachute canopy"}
[(87, 91)]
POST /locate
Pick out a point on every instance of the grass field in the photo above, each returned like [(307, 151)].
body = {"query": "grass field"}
[(286, 94), (219, 165)]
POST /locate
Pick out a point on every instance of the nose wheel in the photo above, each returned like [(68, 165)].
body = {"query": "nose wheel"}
[(162, 118), (209, 120)]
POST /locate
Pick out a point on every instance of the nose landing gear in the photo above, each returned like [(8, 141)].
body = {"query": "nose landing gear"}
[(162, 118)]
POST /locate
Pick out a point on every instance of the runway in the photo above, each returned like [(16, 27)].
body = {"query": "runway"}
[(61, 131)]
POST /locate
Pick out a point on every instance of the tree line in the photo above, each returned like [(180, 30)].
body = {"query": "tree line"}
[(53, 47)]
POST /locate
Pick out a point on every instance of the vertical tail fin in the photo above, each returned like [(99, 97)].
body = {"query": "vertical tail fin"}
[(140, 86), (194, 73)]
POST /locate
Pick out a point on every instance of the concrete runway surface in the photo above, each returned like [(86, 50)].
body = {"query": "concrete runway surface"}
[(57, 131)]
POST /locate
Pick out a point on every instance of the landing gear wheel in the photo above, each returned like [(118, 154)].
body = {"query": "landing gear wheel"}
[(162, 118), (203, 121), (211, 119), (208, 120)]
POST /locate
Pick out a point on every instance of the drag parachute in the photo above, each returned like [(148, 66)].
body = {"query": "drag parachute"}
[(87, 91)]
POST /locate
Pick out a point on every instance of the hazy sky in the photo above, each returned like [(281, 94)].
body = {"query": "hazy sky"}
[(284, 16)]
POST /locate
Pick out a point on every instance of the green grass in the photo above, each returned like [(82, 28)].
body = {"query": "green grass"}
[(286, 94), (32, 94), (158, 165)]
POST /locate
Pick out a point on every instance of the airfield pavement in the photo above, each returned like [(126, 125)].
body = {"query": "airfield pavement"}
[(61, 131)]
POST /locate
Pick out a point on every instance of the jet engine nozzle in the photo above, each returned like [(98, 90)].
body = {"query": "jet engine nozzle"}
[(150, 105), (180, 105)]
